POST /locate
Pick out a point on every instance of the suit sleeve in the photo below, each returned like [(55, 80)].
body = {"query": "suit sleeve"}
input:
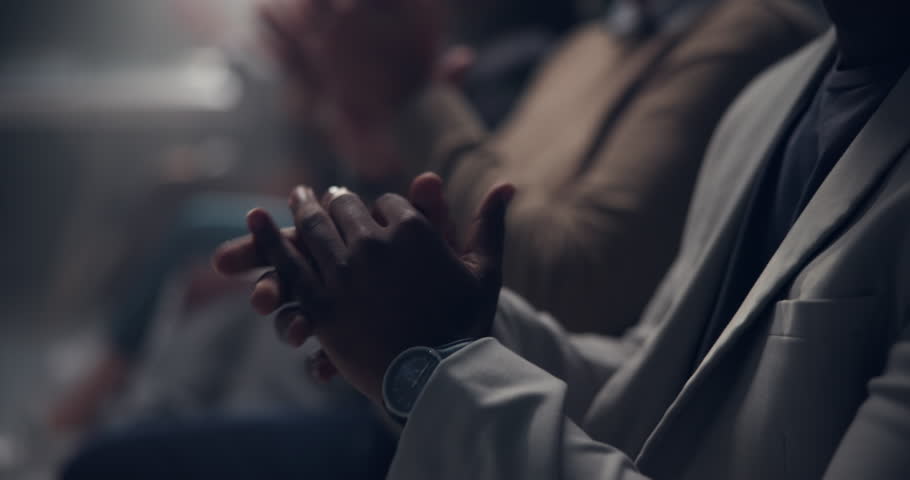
[(877, 443), (585, 362), (488, 414), (510, 406)]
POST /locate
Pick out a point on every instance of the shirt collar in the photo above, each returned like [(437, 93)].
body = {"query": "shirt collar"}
[(631, 18)]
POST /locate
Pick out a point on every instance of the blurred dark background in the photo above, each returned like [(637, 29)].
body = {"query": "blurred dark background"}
[(112, 112)]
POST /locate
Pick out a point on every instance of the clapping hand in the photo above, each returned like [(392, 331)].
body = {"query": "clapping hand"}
[(373, 282), (353, 64)]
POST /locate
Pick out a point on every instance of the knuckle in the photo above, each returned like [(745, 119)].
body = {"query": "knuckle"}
[(361, 234), (310, 221), (387, 198), (342, 202)]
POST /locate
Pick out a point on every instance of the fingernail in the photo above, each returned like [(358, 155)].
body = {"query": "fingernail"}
[(332, 194), (256, 221), (508, 195), (298, 196), (336, 191)]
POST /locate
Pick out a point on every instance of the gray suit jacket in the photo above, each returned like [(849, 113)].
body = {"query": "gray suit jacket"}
[(810, 379)]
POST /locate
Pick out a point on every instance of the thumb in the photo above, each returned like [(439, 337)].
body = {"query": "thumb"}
[(486, 242)]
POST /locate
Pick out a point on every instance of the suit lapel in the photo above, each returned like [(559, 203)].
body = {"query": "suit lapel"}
[(858, 171), (650, 381), (856, 175)]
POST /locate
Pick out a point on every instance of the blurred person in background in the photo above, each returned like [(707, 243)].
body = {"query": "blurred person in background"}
[(603, 146), (131, 379), (496, 49), (138, 113), (203, 222), (180, 224), (511, 37), (501, 44)]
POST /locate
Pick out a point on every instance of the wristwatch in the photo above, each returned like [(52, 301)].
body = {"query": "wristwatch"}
[(408, 374)]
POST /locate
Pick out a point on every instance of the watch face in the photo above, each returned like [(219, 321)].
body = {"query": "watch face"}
[(406, 378)]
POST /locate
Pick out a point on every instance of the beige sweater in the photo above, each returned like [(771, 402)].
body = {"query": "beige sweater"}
[(590, 244)]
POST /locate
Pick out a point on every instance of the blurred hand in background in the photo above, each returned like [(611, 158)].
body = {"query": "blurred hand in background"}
[(353, 64)]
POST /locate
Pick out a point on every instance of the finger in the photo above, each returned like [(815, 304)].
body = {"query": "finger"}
[(277, 35), (300, 330), (391, 209), (426, 194), (282, 23), (239, 256), (350, 215), (343, 6), (268, 294), (317, 233), (319, 15), (291, 325), (310, 20), (272, 247), (286, 35), (486, 242), (331, 194), (295, 274)]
